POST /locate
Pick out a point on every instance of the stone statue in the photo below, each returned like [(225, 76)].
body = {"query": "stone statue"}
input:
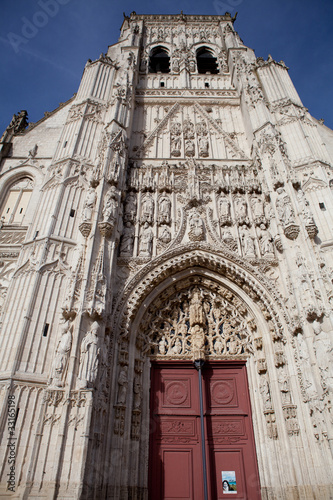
[(248, 244), (284, 387), (196, 231), (284, 207), (177, 348), (130, 208), (89, 205), (147, 210), (164, 209), (89, 357), (122, 386), (265, 393), (110, 207), (137, 389), (241, 210), (265, 240), (62, 354), (224, 211), (165, 236), (323, 349), (127, 240), (146, 241), (162, 345), (197, 315), (198, 342), (203, 146)]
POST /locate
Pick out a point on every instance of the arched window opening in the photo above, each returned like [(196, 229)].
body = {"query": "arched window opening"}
[(206, 62), (17, 201), (159, 61)]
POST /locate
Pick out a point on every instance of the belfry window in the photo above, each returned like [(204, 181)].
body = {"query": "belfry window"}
[(159, 61), (16, 202), (206, 62)]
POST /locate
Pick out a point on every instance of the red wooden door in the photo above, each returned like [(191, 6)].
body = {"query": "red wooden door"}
[(175, 464)]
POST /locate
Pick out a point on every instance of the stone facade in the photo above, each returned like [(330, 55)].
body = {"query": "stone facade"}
[(165, 215)]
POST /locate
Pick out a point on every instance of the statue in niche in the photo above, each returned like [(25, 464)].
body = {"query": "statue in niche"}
[(89, 354), (147, 210), (241, 210), (258, 210), (122, 386), (162, 346), (189, 148), (323, 350), (304, 280), (193, 183), (248, 244), (234, 346), (89, 205), (175, 138), (188, 129), (197, 315), (198, 341), (164, 209), (177, 348), (130, 208), (127, 240), (196, 231), (62, 354), (148, 179), (284, 207), (265, 240), (265, 393), (137, 389), (203, 146), (224, 211), (110, 207), (218, 346), (146, 241), (165, 236), (284, 387), (175, 66)]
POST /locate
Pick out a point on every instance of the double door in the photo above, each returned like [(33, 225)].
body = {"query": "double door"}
[(176, 463)]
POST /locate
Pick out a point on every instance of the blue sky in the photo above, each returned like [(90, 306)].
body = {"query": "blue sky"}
[(46, 43)]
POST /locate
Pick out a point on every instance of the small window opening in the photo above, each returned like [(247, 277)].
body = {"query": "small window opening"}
[(161, 84), (46, 328), (206, 62), (21, 210), (8, 210), (72, 212), (159, 61), (207, 85), (65, 144), (322, 206), (36, 234)]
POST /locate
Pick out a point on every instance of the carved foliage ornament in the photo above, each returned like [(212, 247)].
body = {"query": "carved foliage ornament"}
[(195, 322)]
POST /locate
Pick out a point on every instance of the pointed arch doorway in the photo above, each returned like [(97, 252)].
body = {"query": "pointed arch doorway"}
[(175, 463)]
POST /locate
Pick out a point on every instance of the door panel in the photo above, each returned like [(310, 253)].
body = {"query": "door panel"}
[(175, 445)]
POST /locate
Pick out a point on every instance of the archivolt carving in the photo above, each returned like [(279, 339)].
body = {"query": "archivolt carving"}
[(197, 320), (202, 256)]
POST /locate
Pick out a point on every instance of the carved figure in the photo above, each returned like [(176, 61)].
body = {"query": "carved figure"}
[(89, 205), (162, 345), (265, 393), (284, 387), (110, 207), (203, 147), (284, 207), (241, 210), (130, 208), (165, 236), (198, 342), (62, 354), (89, 357), (218, 346), (127, 240), (175, 138), (176, 349), (164, 210), (147, 210), (189, 148), (196, 310), (265, 240), (248, 244), (122, 386), (137, 389), (323, 349), (196, 232), (146, 241), (224, 211)]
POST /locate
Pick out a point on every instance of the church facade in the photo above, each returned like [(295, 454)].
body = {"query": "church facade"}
[(166, 278)]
